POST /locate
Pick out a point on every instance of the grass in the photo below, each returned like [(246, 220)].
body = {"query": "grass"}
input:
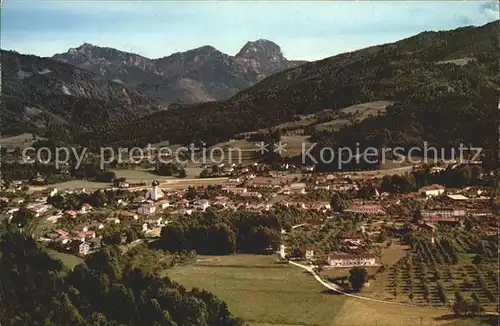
[(68, 260), (264, 293), (458, 62), (22, 141), (261, 291), (360, 112)]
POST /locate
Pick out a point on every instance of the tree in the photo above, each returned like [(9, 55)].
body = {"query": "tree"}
[(336, 203), (357, 278), (191, 193), (22, 217), (460, 307), (475, 308), (478, 259), (182, 173)]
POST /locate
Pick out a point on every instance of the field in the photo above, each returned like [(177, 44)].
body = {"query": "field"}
[(264, 292), (21, 141), (69, 261), (458, 62), (358, 112)]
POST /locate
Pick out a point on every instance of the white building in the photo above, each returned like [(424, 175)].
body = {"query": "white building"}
[(309, 252), (162, 204), (202, 204), (297, 188), (432, 190), (155, 192), (445, 212), (350, 260), (146, 208)]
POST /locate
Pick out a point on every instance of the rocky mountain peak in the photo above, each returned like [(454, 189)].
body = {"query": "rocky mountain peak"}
[(261, 50)]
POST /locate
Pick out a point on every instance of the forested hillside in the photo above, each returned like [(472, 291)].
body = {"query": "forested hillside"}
[(34, 291), (38, 93), (436, 98)]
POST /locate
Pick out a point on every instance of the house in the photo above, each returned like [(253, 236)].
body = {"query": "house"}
[(324, 187), (443, 220), (127, 215), (59, 235), (340, 259), (155, 192), (366, 209), (444, 211), (79, 247), (252, 194), (202, 204), (432, 190), (297, 188), (457, 197), (53, 218), (162, 204), (140, 225), (38, 209), (94, 225), (295, 204), (235, 190), (320, 206), (84, 235), (70, 213), (184, 211), (260, 182), (85, 209), (351, 242), (155, 221), (147, 208), (112, 220), (309, 252)]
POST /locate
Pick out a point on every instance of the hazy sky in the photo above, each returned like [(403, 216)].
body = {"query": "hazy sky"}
[(305, 30)]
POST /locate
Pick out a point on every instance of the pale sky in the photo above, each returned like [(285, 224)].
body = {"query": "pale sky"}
[(308, 30)]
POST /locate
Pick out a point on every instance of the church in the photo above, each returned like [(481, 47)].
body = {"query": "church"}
[(155, 193)]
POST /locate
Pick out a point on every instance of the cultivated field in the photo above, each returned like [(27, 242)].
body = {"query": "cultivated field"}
[(440, 273), (264, 292)]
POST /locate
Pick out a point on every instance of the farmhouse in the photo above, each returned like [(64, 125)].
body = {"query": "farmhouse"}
[(348, 260), (432, 190)]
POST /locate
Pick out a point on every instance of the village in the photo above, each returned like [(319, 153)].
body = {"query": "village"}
[(330, 222)]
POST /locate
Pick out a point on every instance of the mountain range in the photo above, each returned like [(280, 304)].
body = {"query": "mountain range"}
[(439, 81), (199, 75)]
